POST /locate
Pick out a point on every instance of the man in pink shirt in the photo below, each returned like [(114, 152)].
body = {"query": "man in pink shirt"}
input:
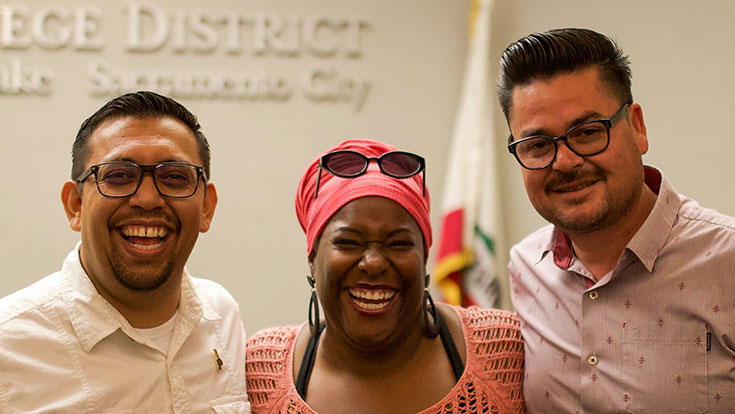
[(626, 299)]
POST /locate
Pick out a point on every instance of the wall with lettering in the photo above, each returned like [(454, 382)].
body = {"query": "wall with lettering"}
[(149, 28), (273, 84)]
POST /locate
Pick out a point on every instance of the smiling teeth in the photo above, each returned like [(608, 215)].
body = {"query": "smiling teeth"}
[(372, 295), (579, 187), (147, 246), (372, 306), (140, 231), (384, 296)]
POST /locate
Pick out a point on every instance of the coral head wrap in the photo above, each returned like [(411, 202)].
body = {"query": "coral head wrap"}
[(335, 192)]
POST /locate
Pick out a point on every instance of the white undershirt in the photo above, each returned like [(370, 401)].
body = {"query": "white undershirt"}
[(161, 334)]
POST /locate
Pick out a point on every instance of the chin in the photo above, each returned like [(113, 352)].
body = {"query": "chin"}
[(371, 341), (576, 221), (142, 284), (581, 225), (142, 281)]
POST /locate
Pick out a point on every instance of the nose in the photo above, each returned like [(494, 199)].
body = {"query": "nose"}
[(147, 197), (373, 261), (566, 159)]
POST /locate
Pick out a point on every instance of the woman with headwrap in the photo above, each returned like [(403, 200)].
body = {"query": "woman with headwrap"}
[(383, 346)]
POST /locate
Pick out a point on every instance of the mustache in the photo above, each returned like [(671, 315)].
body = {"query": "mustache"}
[(563, 178), (149, 215)]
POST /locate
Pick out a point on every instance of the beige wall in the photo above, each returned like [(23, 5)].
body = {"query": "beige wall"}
[(413, 54)]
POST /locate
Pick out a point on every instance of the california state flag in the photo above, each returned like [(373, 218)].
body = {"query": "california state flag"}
[(467, 269)]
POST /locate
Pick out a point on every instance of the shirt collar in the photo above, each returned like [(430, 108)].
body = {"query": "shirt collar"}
[(648, 241), (562, 247), (193, 306), (192, 309), (94, 318), (91, 316)]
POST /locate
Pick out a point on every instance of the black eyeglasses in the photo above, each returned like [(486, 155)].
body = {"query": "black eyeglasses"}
[(351, 164), (590, 138), (123, 178)]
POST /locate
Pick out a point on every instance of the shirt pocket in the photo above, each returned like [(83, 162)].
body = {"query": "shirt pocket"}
[(664, 369), (231, 405)]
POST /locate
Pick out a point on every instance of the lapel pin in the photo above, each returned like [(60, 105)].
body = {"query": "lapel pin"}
[(217, 360)]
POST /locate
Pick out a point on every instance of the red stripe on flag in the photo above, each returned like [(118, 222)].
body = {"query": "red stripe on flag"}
[(451, 235)]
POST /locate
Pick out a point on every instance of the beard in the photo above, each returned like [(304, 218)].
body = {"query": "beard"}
[(140, 281), (142, 278), (610, 210)]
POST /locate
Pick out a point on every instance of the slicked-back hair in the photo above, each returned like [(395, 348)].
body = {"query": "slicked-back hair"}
[(541, 56), (140, 105)]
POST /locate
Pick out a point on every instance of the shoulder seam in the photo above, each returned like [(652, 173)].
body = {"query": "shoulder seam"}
[(5, 318), (708, 221), (13, 309)]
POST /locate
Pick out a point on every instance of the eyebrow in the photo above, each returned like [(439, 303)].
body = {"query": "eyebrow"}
[(127, 159), (584, 117), (360, 233)]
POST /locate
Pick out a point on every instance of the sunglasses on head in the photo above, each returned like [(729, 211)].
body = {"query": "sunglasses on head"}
[(351, 164)]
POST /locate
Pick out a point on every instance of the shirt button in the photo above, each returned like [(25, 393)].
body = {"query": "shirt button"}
[(592, 360), (594, 295)]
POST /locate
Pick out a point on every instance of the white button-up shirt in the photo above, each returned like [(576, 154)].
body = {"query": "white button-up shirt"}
[(65, 349)]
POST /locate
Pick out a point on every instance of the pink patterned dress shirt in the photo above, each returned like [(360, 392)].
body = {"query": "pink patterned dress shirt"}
[(655, 335)]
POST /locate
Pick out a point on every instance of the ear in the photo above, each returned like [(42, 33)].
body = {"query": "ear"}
[(210, 204), (639, 127), (312, 265), (72, 201)]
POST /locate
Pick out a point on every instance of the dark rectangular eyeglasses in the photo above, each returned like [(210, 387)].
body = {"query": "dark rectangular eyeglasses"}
[(590, 138), (351, 164), (123, 178)]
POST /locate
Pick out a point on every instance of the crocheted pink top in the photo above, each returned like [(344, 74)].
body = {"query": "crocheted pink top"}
[(492, 381)]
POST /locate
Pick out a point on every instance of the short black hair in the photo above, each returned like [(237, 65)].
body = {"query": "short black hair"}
[(559, 51), (141, 104)]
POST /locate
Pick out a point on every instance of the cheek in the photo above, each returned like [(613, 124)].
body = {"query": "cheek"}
[(188, 214), (329, 272), (621, 158), (413, 287), (96, 213), (329, 268), (412, 270), (534, 183)]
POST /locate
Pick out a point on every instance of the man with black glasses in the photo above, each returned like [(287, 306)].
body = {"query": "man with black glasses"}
[(123, 327), (627, 298)]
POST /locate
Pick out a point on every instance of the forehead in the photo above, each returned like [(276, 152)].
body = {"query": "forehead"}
[(553, 102), (143, 140), (373, 215)]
